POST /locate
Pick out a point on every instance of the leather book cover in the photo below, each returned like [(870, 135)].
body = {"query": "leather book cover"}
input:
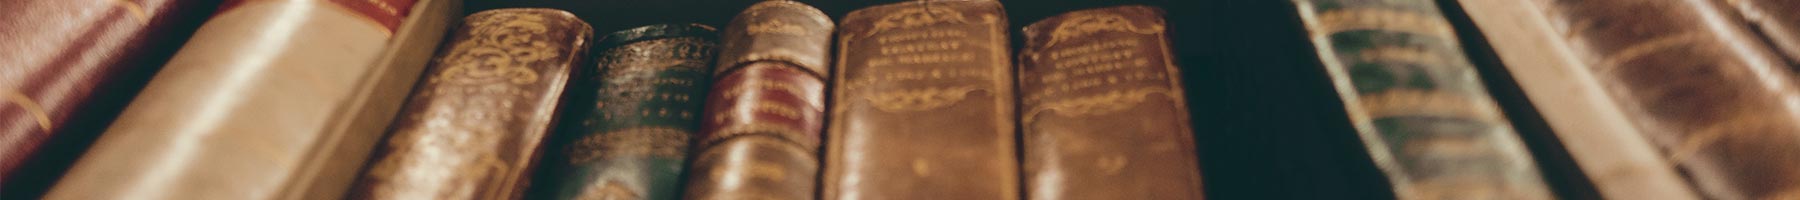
[(923, 104), (627, 132), (1699, 84), (70, 66), (474, 125), (1599, 136), (287, 113), (1777, 20), (760, 135), (1416, 102), (1103, 112)]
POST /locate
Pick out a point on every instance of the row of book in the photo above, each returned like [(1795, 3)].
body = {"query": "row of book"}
[(404, 99)]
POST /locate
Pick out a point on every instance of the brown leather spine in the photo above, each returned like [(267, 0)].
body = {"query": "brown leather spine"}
[(760, 136), (923, 105), (1103, 112), (476, 122), (1778, 20), (69, 66), (1698, 84)]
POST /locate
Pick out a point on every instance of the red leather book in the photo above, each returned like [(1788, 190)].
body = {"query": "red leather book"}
[(760, 135), (69, 66)]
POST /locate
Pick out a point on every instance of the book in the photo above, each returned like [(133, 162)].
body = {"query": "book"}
[(1715, 100), (1599, 136), (1416, 102), (1103, 111), (629, 128), (289, 113), (759, 138), (70, 66), (474, 125), (1777, 22), (923, 104)]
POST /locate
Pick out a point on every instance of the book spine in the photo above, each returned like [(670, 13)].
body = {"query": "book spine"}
[(760, 138), (1417, 103), (237, 116), (923, 105), (1103, 112), (70, 67), (631, 139), (1599, 136), (472, 132), (1698, 84), (1777, 21)]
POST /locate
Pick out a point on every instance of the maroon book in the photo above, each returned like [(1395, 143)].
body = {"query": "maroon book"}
[(70, 66)]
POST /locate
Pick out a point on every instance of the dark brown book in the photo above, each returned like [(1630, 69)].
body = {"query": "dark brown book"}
[(476, 122), (1719, 102), (69, 67), (759, 138), (923, 105), (1779, 21), (1103, 112)]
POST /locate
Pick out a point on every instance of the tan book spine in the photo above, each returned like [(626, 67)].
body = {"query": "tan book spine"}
[(923, 107), (1103, 112), (289, 113), (1597, 133), (1718, 101)]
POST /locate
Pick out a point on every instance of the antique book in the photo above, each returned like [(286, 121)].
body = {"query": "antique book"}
[(70, 66), (759, 138), (1598, 135), (628, 126), (473, 126), (1717, 101), (1777, 20), (1416, 102), (923, 105), (1103, 113), (288, 112)]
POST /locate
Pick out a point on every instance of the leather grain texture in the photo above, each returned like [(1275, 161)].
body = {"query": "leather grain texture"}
[(923, 105), (288, 112), (760, 137), (628, 137), (475, 124), (1416, 102), (69, 67), (1103, 110), (1699, 84)]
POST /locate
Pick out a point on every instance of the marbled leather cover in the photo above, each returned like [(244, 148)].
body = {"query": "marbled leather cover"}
[(474, 126), (1697, 82), (627, 135), (1103, 112), (1417, 103), (271, 99), (923, 105), (761, 132), (69, 67)]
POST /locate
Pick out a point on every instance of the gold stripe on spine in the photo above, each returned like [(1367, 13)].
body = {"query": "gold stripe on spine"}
[(653, 141), (136, 10), (1409, 55), (1682, 40), (1353, 19), (789, 135), (31, 107), (1108, 102), (1425, 103)]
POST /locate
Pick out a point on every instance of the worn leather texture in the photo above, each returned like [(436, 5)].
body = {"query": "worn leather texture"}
[(760, 137), (288, 111), (1419, 107), (1599, 137), (1699, 84), (1777, 20), (628, 136), (476, 122), (923, 105), (70, 66), (1103, 113)]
